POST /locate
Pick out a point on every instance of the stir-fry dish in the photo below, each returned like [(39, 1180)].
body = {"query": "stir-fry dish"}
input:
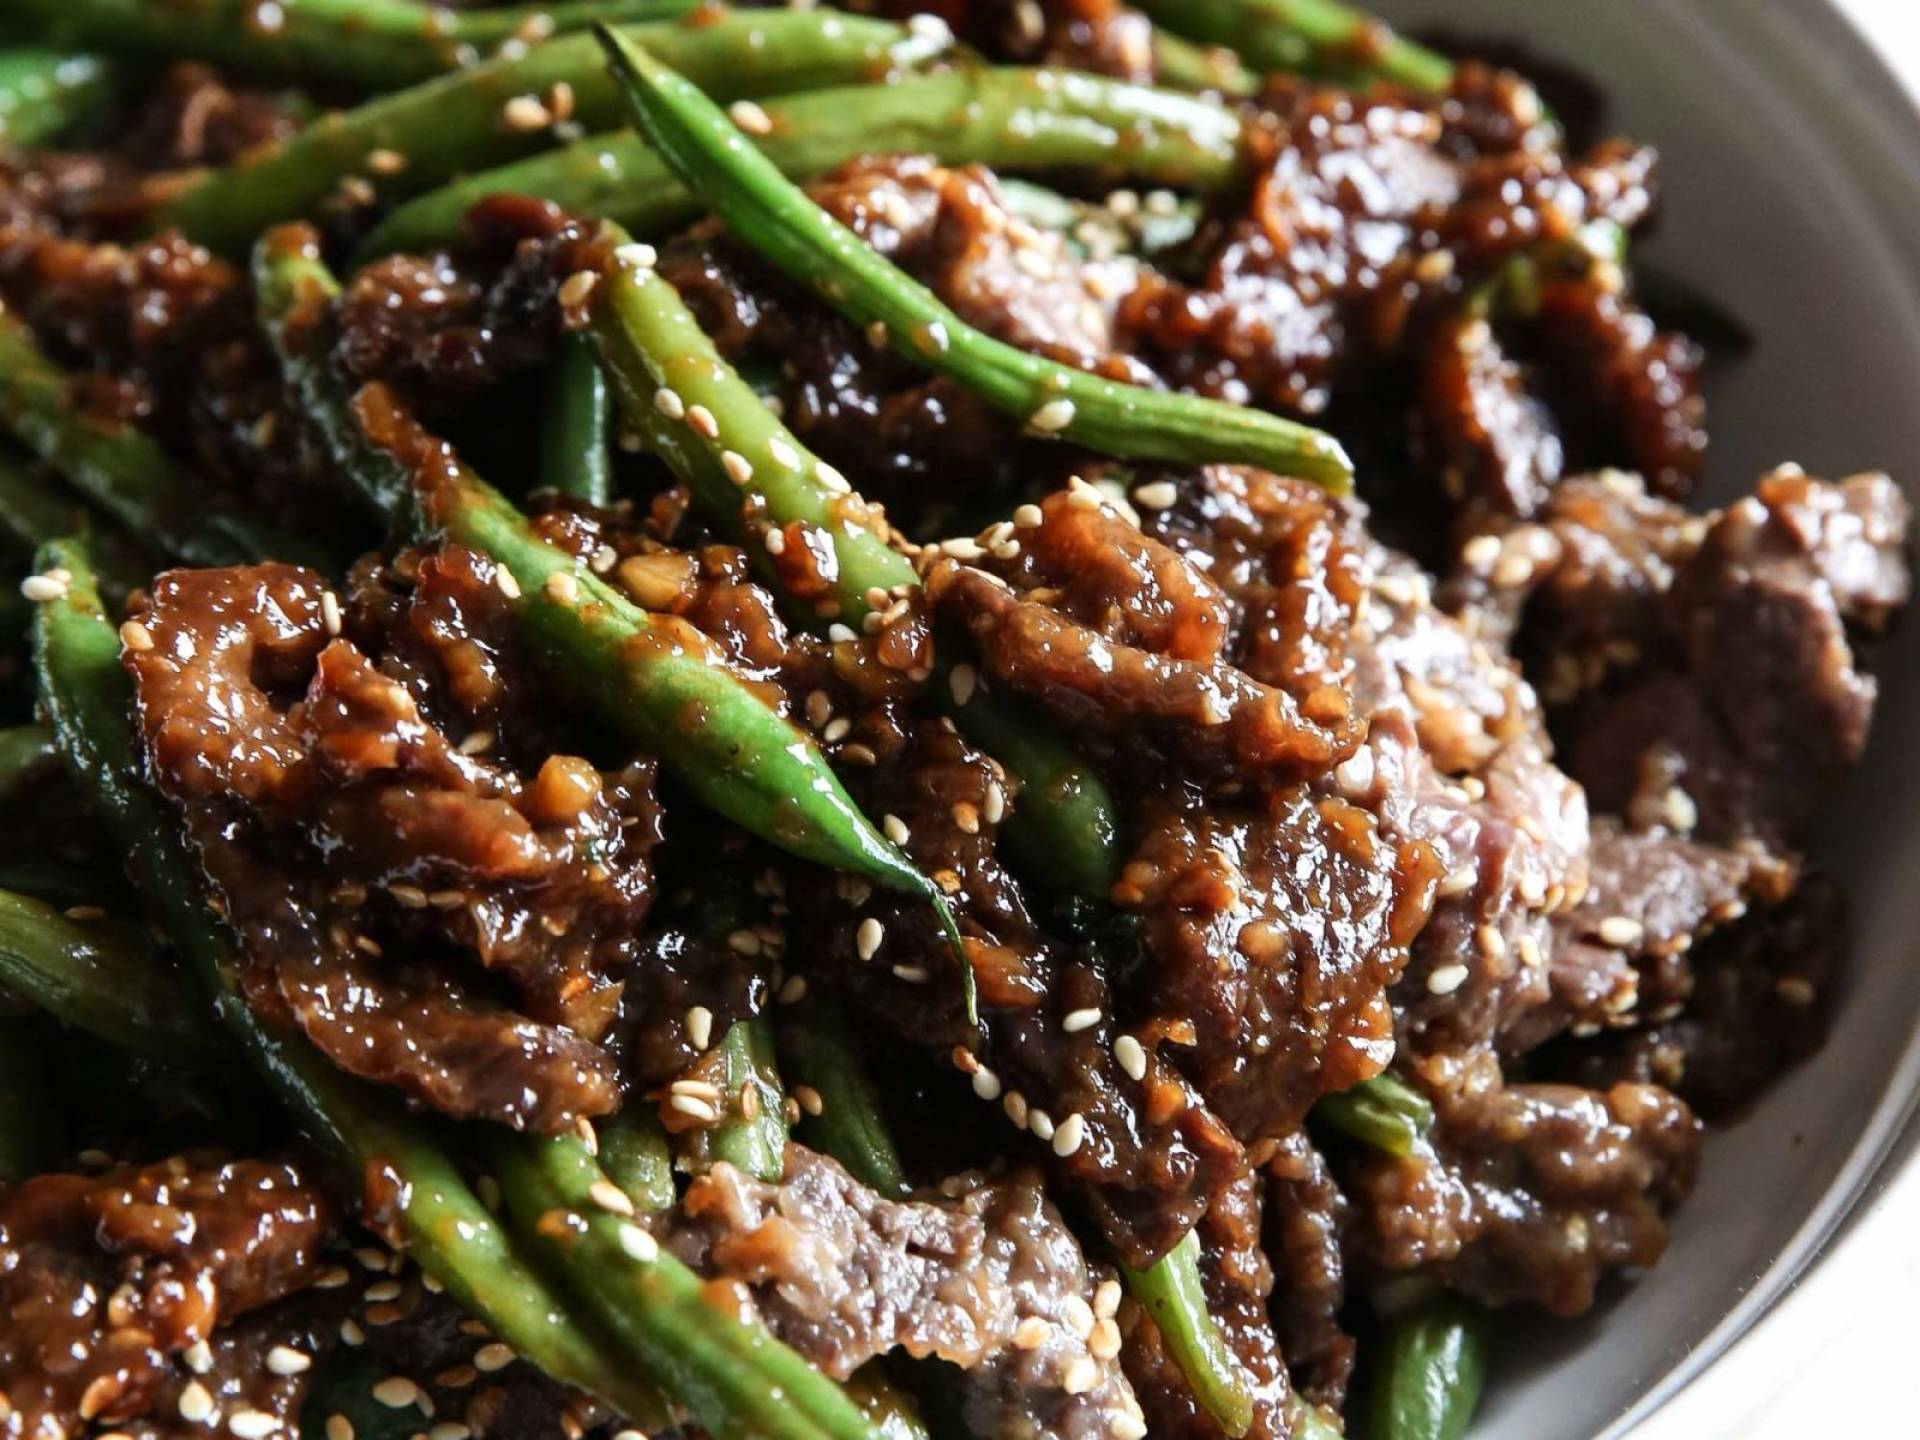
[(969, 718)]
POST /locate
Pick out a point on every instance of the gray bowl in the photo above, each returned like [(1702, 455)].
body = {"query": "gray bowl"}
[(1792, 194)]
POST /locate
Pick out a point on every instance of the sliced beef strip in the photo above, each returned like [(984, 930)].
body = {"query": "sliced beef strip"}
[(981, 1274), (1524, 1192), (1306, 1224), (106, 1277), (428, 917)]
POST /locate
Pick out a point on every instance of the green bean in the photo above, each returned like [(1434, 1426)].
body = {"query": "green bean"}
[(25, 750), (753, 1140), (361, 44), (576, 457), (1008, 118), (736, 1378), (776, 217), (818, 1048), (414, 139), (1429, 1366), (633, 1152), (1184, 65), (1382, 1112), (421, 1195), (652, 678), (104, 979), (118, 468), (1172, 1293), (45, 93), (29, 1120), (667, 372), (1312, 36)]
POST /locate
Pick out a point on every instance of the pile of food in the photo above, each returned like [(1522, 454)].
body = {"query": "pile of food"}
[(1001, 721)]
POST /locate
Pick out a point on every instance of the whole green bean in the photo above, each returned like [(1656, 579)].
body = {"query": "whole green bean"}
[(1185, 65), (746, 461), (818, 1048), (576, 454), (1011, 119), (736, 1378), (1172, 1293), (29, 1120), (360, 44), (118, 468), (1305, 36), (418, 1191), (414, 139), (1429, 1367), (652, 678), (633, 1152), (45, 93), (103, 978), (777, 218)]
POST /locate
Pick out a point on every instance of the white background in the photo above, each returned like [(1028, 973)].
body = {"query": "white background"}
[(1841, 1356)]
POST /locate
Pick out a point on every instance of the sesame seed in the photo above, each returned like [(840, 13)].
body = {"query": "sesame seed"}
[(509, 586), (776, 542), (610, 1197), (912, 974), (1158, 495), (1104, 1343), (701, 1089), (1040, 1123), (1492, 943), (525, 112), (41, 589), (397, 1392), (783, 454), (694, 1106), (199, 1357), (701, 420), (993, 805), (668, 402), (1106, 1299), (1460, 881), (1015, 1104), (136, 637), (986, 1084), (1080, 1375), (489, 1358), (836, 730), (1482, 552), (878, 334), (809, 1099), (832, 478), (1053, 417), (1446, 979), (960, 683), (384, 1290), (196, 1403), (1032, 1332), (637, 256), (866, 939), (743, 942), (962, 548), (386, 162), (252, 1424), (840, 634), (739, 469), (450, 1430), (896, 829), (794, 991), (1795, 991), (1071, 1132), (1125, 1425), (561, 586), (750, 117), (933, 336), (339, 1428), (575, 289), (1620, 930), (930, 28), (1132, 1056), (637, 1244), (1529, 951)]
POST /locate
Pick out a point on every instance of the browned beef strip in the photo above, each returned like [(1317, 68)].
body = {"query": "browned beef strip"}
[(1306, 1229)]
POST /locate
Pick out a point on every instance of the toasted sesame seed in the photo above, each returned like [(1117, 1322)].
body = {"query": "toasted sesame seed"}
[(896, 829), (739, 469), (1083, 1019), (1067, 1137), (1795, 991), (136, 637), (866, 939), (1027, 517), (492, 1357), (701, 421), (694, 1106), (561, 586), (1125, 1425), (450, 1430), (1481, 553), (575, 289), (610, 1197), (41, 589), (809, 1098), (1104, 1342), (526, 112), (668, 402), (1032, 1332), (252, 1424), (750, 117), (1620, 930), (702, 1089), (986, 1084), (1446, 979), (1460, 881), (878, 334), (1158, 495), (1015, 1104), (1053, 417), (1040, 1123), (339, 1428), (1080, 1375), (1529, 952), (199, 1355), (1132, 1056), (637, 256), (1492, 943), (383, 1290), (1106, 1299)]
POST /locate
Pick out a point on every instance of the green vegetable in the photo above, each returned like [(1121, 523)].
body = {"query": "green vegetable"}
[(418, 1191), (1172, 1293), (1429, 1366), (103, 978), (653, 679), (29, 1118), (412, 140), (1382, 1112), (818, 1049), (1010, 119), (633, 1152), (754, 1144), (45, 93), (24, 751), (360, 44), (118, 468), (736, 1379), (778, 219), (1181, 63), (1310, 36), (576, 457)]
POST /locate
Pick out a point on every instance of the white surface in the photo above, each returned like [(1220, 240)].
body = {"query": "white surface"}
[(1839, 1356)]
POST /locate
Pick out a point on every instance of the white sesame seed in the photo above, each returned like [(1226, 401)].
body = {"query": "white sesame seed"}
[(1071, 1132), (700, 420), (866, 940), (339, 1428), (1481, 553), (561, 586), (960, 683), (783, 454), (1081, 1374), (836, 730), (1446, 979), (136, 637), (396, 1391), (832, 478), (693, 1105), (739, 469), (1125, 1425), (610, 1197), (637, 256), (1053, 417), (1158, 495), (933, 336), (509, 586), (1027, 517), (1040, 1123), (1083, 1019), (575, 289), (41, 589), (199, 1356), (383, 1290), (750, 117), (930, 28), (1620, 930), (1032, 1332), (668, 402), (196, 1403), (489, 1358), (986, 1084), (1106, 1299), (525, 112), (912, 974), (252, 1424), (993, 805), (1460, 881), (963, 548), (638, 1244), (699, 1027), (1132, 1056), (776, 541), (895, 829)]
